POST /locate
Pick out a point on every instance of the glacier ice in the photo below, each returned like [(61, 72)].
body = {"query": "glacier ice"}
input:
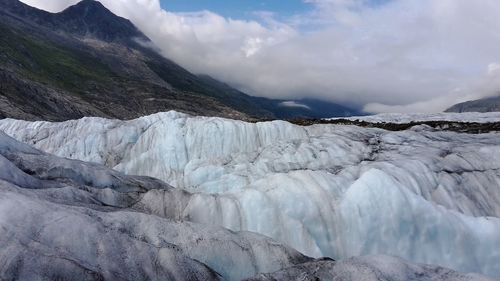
[(368, 268), (69, 220), (473, 117), (327, 190), (64, 219)]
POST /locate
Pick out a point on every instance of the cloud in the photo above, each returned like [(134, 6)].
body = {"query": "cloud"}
[(493, 68), (294, 104), (51, 5), (399, 55)]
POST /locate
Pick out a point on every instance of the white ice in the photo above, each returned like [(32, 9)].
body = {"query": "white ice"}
[(69, 220), (337, 191)]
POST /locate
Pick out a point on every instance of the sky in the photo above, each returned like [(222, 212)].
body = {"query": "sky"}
[(243, 9), (376, 55)]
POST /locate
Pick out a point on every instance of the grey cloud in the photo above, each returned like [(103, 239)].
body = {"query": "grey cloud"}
[(405, 55)]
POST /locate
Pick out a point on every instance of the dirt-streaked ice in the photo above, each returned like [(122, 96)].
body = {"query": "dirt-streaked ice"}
[(339, 191), (370, 268), (70, 220), (476, 117)]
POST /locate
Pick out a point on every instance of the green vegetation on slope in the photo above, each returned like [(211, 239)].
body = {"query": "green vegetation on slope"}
[(47, 63)]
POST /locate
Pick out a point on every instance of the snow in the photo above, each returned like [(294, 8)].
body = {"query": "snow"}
[(326, 190), (487, 117)]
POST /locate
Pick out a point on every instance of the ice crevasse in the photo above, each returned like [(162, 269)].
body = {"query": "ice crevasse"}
[(327, 190)]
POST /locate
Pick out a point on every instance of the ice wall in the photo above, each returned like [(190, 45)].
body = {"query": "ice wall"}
[(64, 219), (337, 191)]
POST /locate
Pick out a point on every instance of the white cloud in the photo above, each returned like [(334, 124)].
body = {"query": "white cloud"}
[(404, 55), (494, 69), (294, 104)]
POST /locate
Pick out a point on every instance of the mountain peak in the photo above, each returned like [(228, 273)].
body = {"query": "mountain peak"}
[(84, 7), (91, 18), (89, 2), (88, 18)]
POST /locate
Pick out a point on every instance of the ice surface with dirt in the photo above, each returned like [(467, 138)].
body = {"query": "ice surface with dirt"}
[(326, 190), (470, 117), (69, 220), (64, 219), (369, 268)]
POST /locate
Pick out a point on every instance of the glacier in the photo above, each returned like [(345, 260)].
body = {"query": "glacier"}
[(400, 118), (369, 268), (64, 219), (339, 191)]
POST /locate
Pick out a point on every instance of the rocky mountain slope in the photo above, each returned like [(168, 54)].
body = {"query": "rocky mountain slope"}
[(482, 105), (64, 219), (426, 195), (86, 61)]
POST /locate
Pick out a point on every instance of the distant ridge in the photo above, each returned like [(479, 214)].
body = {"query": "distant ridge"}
[(491, 104)]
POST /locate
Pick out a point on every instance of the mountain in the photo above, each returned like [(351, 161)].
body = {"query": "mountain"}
[(282, 109), (491, 104), (87, 18), (86, 61)]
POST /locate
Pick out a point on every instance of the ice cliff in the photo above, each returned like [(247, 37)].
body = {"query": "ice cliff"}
[(69, 220), (339, 191), (64, 220)]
